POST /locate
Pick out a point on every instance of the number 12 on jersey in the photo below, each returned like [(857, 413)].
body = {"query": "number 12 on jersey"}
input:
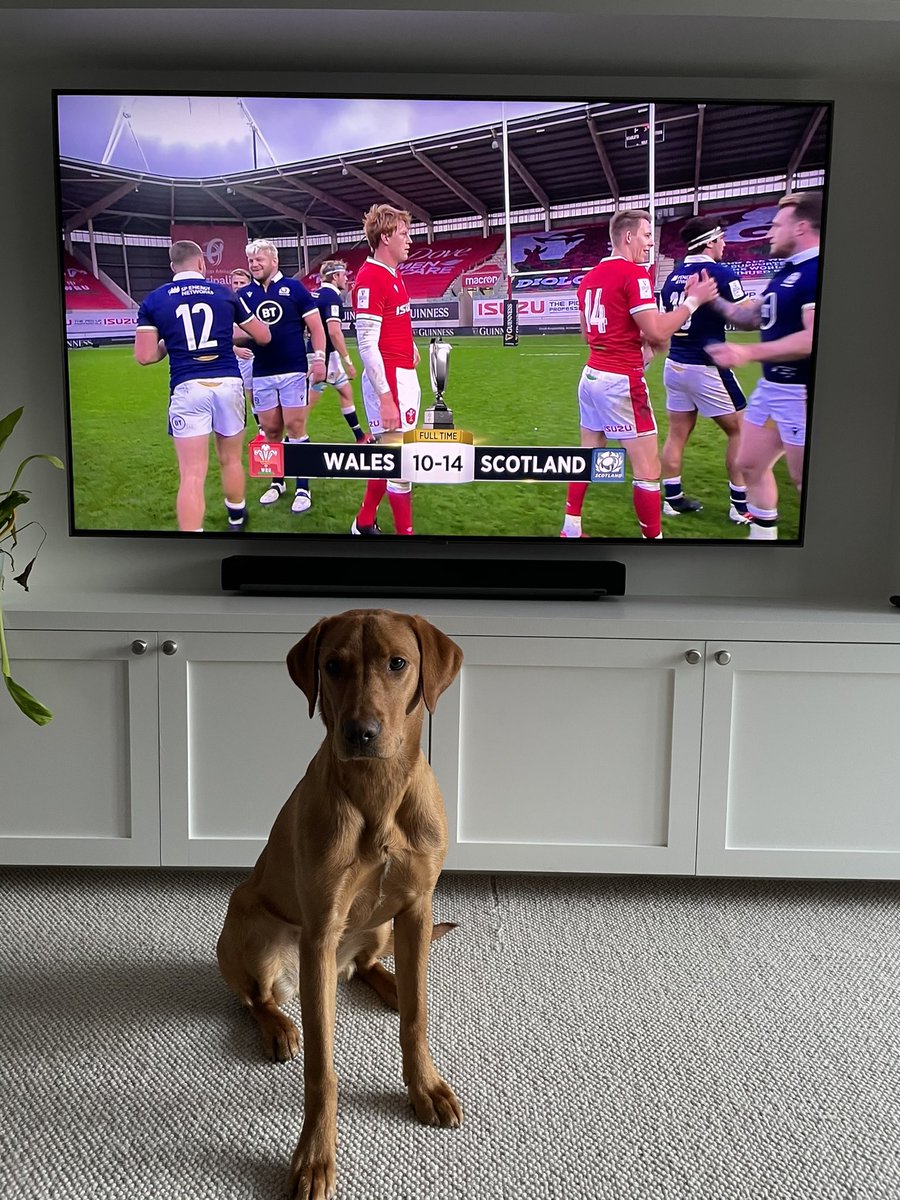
[(594, 310), (186, 313)]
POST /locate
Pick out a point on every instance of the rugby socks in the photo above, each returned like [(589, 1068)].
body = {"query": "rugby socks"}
[(375, 490), (349, 415), (575, 494), (673, 488), (648, 507), (401, 509), (738, 497), (765, 524), (237, 513), (302, 485)]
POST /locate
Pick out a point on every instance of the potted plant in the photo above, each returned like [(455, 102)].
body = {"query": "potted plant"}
[(11, 500)]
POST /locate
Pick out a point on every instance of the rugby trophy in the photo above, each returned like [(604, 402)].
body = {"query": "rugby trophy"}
[(439, 416)]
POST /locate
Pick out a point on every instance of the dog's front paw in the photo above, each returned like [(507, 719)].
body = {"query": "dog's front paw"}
[(436, 1103), (313, 1171)]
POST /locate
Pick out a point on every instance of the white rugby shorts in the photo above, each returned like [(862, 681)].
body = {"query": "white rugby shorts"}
[(199, 407), (783, 403), (696, 387), (289, 390), (404, 385), (615, 404), (334, 374)]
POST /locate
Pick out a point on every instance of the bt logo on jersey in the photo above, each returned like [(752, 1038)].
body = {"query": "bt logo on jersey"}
[(270, 311)]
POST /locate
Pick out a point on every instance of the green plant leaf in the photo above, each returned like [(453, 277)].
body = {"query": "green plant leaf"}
[(8, 424), (10, 502), (50, 458), (33, 709)]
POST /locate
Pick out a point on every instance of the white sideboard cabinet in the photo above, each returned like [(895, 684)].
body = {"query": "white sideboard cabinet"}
[(621, 736)]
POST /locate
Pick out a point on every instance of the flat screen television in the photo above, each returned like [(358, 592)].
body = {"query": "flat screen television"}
[(519, 435)]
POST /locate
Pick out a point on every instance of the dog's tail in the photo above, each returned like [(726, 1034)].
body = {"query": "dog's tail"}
[(437, 931)]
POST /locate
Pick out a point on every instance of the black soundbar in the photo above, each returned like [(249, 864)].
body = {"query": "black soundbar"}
[(512, 579)]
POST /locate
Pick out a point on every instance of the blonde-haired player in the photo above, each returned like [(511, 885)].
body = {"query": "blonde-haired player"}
[(390, 386), (280, 384)]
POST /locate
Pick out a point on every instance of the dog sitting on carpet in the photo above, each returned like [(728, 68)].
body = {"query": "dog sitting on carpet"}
[(357, 848)]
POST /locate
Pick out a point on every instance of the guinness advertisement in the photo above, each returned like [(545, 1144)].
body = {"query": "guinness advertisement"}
[(510, 323)]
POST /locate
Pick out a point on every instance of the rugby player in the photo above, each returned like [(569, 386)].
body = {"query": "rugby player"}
[(280, 382), (384, 333), (339, 368), (240, 278), (775, 420), (618, 316), (192, 321), (694, 384)]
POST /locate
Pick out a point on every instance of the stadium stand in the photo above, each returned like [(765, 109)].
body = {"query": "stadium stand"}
[(430, 269), (746, 233), (572, 246), (84, 293)]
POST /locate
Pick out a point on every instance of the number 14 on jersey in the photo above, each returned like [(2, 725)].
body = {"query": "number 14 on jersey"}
[(594, 310)]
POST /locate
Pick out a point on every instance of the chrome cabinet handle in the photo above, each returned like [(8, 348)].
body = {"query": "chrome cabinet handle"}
[(169, 647), (723, 657), (692, 657), (138, 646)]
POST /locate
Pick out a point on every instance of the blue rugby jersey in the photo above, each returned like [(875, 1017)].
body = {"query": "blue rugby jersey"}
[(328, 302), (282, 305), (195, 318), (706, 324), (790, 290)]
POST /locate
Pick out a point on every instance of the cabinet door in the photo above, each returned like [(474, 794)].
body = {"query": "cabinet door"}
[(571, 755), (84, 789), (801, 761), (235, 737)]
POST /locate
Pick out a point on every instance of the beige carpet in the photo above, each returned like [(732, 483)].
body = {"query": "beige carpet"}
[(621, 1038)]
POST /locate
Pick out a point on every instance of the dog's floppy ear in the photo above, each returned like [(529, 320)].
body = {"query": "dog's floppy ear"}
[(303, 663), (439, 657)]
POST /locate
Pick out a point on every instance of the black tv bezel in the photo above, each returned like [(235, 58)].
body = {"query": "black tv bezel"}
[(313, 542)]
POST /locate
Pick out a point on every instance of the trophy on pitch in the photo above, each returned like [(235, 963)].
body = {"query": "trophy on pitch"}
[(439, 416)]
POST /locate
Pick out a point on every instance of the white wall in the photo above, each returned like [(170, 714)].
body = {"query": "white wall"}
[(853, 529)]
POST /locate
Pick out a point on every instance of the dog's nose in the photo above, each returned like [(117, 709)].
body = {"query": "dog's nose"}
[(361, 733)]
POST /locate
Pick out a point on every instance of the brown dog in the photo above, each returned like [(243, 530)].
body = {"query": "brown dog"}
[(359, 844)]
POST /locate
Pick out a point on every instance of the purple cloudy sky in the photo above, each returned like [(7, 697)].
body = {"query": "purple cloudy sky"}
[(182, 136)]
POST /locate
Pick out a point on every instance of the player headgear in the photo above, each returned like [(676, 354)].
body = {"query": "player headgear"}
[(330, 268), (700, 231)]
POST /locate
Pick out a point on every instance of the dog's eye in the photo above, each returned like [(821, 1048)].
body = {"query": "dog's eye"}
[(333, 667), (397, 663)]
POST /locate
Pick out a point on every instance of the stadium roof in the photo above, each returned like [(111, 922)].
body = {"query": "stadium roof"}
[(573, 155)]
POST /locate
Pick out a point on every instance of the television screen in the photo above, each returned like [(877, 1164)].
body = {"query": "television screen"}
[(513, 319)]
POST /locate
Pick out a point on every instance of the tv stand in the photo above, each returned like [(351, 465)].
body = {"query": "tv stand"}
[(555, 704), (422, 577)]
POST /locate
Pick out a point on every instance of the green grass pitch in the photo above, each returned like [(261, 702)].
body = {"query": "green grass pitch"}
[(125, 474)]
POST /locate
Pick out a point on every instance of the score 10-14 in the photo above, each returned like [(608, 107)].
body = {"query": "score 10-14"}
[(438, 456)]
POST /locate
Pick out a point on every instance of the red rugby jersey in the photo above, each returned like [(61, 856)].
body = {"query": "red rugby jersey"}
[(380, 292), (607, 296)]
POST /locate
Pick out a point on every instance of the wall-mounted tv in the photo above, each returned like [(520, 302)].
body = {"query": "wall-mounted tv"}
[(512, 319)]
